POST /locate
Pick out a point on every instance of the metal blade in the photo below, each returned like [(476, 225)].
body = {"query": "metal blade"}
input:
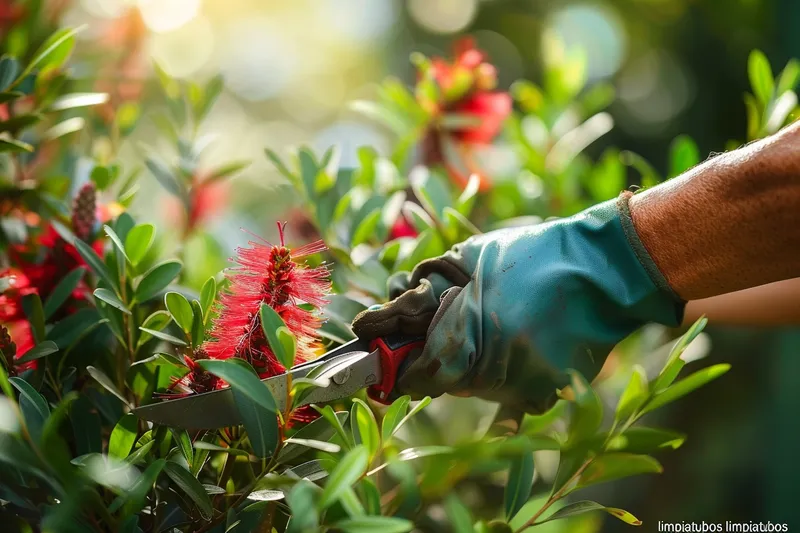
[(349, 372)]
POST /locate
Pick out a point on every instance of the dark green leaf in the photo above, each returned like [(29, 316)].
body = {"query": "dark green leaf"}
[(167, 178), (42, 349), (32, 305), (111, 299), (37, 400), (63, 291), (242, 379), (136, 496), (302, 499), (123, 436), (320, 430), (374, 524), (9, 69), (189, 485), (18, 123), (518, 488), (685, 386), (140, 453), (138, 242), (335, 421), (414, 410), (13, 145), (184, 441), (157, 279), (85, 427), (180, 309), (611, 466), (106, 382), (351, 467), (95, 263), (261, 423)]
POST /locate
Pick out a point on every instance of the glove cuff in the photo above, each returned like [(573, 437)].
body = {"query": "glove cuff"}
[(638, 247)]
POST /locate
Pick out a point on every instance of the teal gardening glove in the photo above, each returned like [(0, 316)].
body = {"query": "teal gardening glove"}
[(506, 313)]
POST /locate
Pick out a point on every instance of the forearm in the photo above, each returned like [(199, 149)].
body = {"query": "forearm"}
[(729, 224), (774, 304)]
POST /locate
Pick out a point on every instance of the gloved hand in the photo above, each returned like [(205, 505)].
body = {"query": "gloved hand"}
[(507, 312)]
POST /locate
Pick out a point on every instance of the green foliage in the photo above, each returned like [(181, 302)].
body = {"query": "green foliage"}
[(74, 454)]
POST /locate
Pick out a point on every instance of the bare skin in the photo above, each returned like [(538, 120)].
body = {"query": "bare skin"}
[(731, 226)]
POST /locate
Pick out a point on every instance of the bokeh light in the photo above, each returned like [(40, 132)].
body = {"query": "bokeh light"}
[(443, 16)]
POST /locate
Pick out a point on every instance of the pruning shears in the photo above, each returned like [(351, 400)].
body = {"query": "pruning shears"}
[(347, 369)]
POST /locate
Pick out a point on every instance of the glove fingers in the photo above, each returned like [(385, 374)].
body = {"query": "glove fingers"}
[(410, 313)]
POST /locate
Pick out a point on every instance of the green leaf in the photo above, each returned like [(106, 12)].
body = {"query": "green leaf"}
[(54, 51), (283, 169), (180, 309), (63, 291), (364, 426), (166, 177), (184, 441), (157, 279), (760, 74), (138, 242), (42, 349), (611, 466), (367, 228), (336, 423), (207, 295), (414, 410), (351, 467), (374, 524), (32, 305), (193, 488), (123, 436), (9, 68), (393, 416), (37, 400), (586, 506), (163, 336), (789, 77), (198, 327), (16, 124), (683, 155), (431, 191), (674, 362), (111, 299), (134, 500), (518, 488), (13, 145), (95, 263), (282, 346), (323, 446), (319, 430), (260, 422), (588, 411), (242, 379), (685, 386), (634, 396), (73, 100), (533, 424), (106, 382), (641, 439), (457, 514), (202, 445), (301, 500)]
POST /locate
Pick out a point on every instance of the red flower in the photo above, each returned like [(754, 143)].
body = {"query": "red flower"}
[(402, 228), (466, 90), (15, 341), (271, 275), (11, 300)]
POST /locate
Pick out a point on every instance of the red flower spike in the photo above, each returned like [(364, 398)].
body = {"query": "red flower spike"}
[(271, 275), (84, 209)]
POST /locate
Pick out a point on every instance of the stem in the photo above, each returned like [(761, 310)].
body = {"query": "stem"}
[(555, 497)]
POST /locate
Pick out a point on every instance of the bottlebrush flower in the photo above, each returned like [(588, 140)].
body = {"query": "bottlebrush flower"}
[(402, 228), (466, 90), (272, 275), (15, 341)]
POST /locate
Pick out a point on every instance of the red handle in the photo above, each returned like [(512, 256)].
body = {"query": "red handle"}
[(393, 351)]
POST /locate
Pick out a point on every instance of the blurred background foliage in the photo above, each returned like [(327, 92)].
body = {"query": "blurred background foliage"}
[(290, 69)]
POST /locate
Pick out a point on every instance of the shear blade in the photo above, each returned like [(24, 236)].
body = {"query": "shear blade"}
[(217, 409)]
